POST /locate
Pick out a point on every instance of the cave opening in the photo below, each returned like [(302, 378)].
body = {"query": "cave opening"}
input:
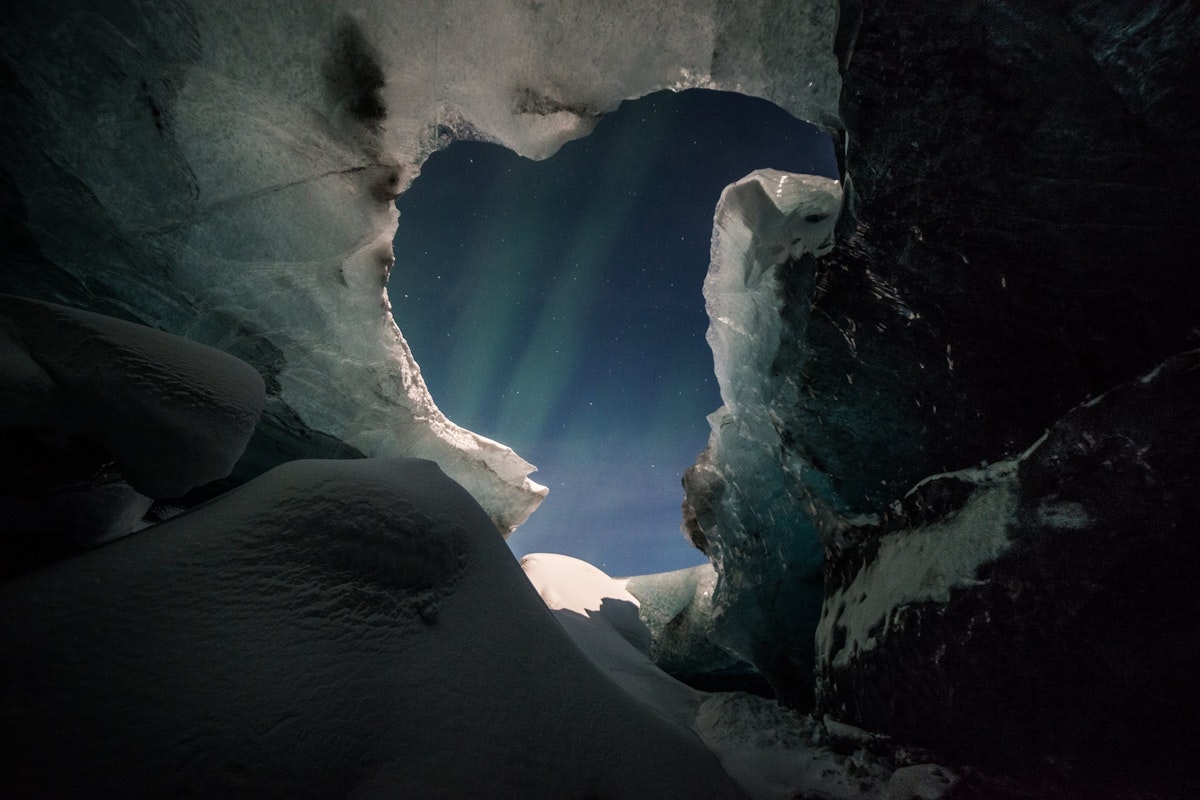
[(556, 306)]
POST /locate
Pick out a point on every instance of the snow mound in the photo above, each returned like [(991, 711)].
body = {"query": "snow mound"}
[(570, 584), (172, 413), (331, 628), (602, 619), (773, 753)]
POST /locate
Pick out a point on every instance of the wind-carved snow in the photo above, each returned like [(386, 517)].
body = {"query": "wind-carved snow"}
[(355, 625), (250, 205), (171, 413)]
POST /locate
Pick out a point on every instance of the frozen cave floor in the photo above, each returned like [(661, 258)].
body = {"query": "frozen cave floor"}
[(331, 626), (360, 626)]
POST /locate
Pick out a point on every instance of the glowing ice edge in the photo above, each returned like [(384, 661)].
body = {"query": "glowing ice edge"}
[(764, 224), (279, 222)]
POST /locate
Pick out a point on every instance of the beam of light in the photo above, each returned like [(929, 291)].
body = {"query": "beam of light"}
[(556, 306), (488, 278), (543, 376)]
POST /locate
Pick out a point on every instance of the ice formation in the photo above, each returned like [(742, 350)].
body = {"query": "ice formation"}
[(677, 608), (224, 171), (754, 508), (249, 206)]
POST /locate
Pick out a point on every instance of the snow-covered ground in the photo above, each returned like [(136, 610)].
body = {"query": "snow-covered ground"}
[(332, 628), (173, 413), (353, 627), (359, 627), (773, 753)]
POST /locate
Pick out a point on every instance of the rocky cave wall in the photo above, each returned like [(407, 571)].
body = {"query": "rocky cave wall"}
[(1019, 239)]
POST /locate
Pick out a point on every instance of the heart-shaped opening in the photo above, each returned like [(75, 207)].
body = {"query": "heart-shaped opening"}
[(556, 306)]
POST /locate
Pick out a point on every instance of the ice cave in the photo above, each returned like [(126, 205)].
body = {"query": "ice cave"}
[(599, 254), (945, 515)]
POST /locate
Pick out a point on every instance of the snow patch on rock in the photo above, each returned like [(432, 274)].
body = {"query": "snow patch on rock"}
[(916, 566)]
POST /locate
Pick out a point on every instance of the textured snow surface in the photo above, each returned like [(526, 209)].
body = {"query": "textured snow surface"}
[(772, 752), (172, 413), (249, 205), (331, 628)]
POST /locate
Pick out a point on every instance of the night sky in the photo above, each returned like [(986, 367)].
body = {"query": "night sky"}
[(556, 307)]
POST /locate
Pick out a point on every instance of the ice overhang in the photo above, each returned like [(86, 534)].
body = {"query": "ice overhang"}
[(249, 205)]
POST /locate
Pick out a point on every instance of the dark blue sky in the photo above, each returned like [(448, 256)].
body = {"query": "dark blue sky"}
[(556, 306)]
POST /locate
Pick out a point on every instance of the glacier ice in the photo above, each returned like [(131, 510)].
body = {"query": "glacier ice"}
[(677, 608), (249, 206), (246, 205), (752, 506)]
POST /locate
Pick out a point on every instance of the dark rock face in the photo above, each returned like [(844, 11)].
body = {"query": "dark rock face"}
[(1025, 179), (1078, 645)]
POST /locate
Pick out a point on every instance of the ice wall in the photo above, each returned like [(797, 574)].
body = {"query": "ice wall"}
[(755, 506), (225, 170)]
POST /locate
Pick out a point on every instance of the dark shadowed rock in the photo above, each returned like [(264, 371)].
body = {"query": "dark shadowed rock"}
[(1023, 180), (1068, 641)]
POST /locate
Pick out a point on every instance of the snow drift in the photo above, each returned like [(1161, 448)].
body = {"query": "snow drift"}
[(331, 628), (172, 413)]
